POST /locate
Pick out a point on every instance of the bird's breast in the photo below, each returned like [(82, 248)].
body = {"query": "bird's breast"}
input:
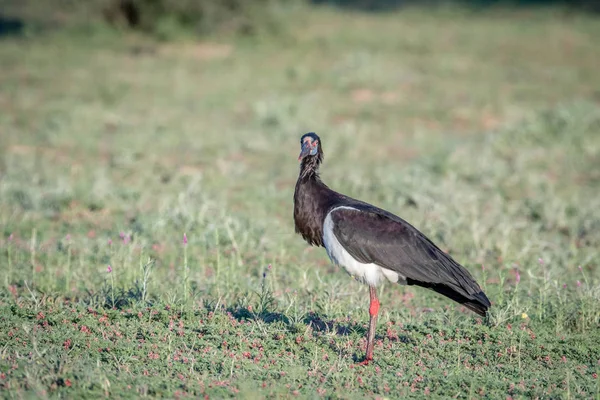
[(370, 274)]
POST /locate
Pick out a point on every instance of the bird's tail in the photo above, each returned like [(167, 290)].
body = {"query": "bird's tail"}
[(476, 302), (480, 305)]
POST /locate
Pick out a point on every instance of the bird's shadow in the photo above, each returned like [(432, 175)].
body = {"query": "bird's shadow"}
[(319, 324), (243, 313)]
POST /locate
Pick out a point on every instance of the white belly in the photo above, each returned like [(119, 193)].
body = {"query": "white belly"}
[(370, 274)]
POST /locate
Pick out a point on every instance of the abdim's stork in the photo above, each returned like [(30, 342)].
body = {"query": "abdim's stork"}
[(373, 244)]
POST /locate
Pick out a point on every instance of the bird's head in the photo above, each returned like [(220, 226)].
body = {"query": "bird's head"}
[(310, 147)]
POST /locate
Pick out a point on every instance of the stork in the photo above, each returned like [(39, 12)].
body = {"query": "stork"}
[(374, 245)]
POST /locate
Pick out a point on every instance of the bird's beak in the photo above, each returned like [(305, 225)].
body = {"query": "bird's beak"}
[(305, 150)]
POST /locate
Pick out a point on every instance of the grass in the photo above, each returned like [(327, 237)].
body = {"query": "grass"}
[(482, 129)]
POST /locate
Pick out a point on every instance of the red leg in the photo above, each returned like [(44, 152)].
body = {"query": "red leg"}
[(373, 310)]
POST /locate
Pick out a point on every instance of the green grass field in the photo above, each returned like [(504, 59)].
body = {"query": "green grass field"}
[(481, 129)]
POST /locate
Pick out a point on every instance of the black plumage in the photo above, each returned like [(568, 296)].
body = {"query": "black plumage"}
[(373, 236)]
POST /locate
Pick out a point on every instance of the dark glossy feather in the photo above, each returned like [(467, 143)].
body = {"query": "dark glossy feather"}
[(373, 235)]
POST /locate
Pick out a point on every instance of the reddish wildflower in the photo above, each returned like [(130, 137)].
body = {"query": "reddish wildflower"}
[(124, 237), (517, 276), (109, 242), (10, 237), (541, 261), (68, 237), (68, 383), (109, 269), (185, 240), (578, 283)]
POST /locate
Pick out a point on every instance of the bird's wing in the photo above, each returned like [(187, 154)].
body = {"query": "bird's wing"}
[(373, 236)]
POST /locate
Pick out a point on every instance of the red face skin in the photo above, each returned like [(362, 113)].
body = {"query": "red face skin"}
[(307, 147)]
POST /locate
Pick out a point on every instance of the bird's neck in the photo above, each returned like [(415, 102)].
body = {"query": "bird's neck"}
[(312, 200), (309, 168)]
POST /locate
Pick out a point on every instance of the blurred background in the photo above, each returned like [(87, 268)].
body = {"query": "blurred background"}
[(148, 158), (134, 121), (168, 18)]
